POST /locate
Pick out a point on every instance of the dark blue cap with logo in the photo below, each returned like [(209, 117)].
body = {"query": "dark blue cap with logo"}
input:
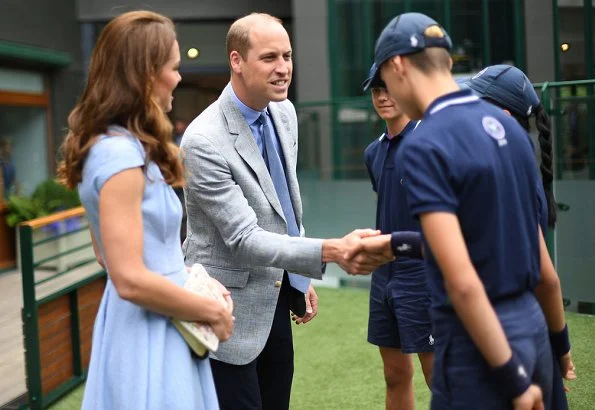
[(462, 82), (408, 33), (507, 86), (373, 81)]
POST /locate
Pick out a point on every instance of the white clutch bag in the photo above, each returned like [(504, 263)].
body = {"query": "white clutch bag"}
[(200, 336)]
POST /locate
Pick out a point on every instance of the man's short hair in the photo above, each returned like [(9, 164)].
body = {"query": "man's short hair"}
[(431, 59), (238, 36)]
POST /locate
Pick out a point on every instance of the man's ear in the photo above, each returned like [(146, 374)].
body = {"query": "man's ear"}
[(235, 60), (450, 64), (397, 66)]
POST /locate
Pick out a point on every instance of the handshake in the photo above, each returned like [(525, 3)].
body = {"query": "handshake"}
[(359, 252)]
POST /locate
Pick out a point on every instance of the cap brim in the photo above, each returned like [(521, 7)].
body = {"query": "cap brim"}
[(372, 80), (366, 83)]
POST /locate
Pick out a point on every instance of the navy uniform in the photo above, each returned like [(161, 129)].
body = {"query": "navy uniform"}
[(399, 296), (473, 160), (509, 88), (469, 158)]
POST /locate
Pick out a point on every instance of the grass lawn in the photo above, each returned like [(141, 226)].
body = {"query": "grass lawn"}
[(335, 368)]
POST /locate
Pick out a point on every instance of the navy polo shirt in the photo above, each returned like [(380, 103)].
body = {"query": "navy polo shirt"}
[(392, 212), (543, 210), (469, 158)]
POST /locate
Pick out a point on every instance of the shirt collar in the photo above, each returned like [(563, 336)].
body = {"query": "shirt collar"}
[(411, 125), (454, 98), (249, 114)]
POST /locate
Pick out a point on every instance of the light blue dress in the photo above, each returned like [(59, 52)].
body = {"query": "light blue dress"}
[(138, 359)]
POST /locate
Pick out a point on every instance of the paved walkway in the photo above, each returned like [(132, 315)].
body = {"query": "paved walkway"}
[(12, 360)]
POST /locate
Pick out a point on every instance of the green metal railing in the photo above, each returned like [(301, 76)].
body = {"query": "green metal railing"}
[(32, 265), (559, 99), (352, 123), (334, 134)]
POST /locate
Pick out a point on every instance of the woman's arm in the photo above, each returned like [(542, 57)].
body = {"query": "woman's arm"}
[(549, 291), (121, 229), (96, 248), (549, 295)]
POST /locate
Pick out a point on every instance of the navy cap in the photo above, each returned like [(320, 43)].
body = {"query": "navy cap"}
[(508, 86), (409, 33), (462, 83), (373, 81)]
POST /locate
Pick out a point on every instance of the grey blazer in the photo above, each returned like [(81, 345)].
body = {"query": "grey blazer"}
[(235, 226)]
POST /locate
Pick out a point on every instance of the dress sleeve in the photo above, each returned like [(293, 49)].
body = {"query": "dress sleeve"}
[(112, 155)]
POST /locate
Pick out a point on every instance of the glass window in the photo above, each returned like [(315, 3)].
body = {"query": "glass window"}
[(465, 30), (502, 32), (21, 81), (352, 46), (357, 24), (23, 148)]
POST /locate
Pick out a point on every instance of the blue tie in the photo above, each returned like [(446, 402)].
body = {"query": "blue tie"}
[(272, 158)]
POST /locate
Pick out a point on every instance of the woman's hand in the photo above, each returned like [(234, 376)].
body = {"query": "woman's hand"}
[(223, 323), (223, 326), (567, 368), (226, 294)]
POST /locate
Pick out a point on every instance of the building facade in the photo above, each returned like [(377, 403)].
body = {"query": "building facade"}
[(43, 56)]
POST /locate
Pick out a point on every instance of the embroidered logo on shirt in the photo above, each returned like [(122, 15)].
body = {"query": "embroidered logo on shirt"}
[(431, 340), (494, 129), (522, 372)]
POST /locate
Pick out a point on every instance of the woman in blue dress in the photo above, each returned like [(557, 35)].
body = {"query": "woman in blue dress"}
[(118, 152)]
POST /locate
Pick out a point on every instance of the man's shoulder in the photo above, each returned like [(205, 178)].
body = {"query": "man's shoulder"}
[(208, 115), (373, 146), (285, 106), (210, 121)]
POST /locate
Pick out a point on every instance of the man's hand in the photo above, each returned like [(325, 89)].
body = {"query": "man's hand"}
[(379, 244), (363, 261), (531, 399), (311, 307)]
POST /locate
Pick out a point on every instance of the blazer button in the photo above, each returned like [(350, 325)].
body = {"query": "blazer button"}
[(277, 283)]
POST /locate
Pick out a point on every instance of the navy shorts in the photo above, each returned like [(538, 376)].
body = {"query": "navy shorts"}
[(461, 377), (399, 310)]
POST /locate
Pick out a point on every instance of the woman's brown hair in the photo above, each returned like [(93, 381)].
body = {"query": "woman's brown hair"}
[(129, 54)]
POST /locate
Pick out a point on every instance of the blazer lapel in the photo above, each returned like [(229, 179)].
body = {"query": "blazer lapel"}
[(289, 146), (247, 148)]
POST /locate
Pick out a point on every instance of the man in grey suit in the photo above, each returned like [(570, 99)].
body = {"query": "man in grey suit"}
[(245, 217)]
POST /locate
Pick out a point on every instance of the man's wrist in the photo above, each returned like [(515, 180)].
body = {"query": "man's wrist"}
[(330, 249)]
